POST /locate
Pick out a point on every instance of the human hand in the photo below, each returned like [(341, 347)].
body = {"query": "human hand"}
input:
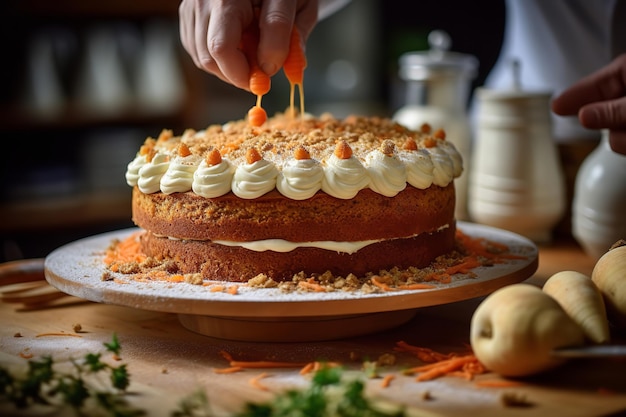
[(211, 31), (599, 100)]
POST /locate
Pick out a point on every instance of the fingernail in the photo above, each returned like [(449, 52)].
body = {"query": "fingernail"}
[(269, 68), (590, 117)]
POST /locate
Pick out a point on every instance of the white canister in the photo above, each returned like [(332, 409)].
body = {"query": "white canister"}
[(516, 182), (598, 218)]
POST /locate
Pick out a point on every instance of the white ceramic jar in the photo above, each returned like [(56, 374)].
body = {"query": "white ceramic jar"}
[(599, 202), (516, 182)]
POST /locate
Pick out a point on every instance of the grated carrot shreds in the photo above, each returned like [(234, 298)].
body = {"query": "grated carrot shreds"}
[(438, 364), (217, 288), (127, 250), (387, 380), (424, 354), (316, 366), (265, 364), (444, 368), (229, 147), (26, 355), (416, 286), (462, 374), (256, 381), (381, 285), (229, 370), (441, 277), (497, 383), (233, 290), (475, 367), (176, 278), (464, 267), (495, 251), (226, 355), (308, 368), (311, 286)]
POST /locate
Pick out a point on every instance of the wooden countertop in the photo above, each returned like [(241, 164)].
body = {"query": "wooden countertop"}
[(168, 362)]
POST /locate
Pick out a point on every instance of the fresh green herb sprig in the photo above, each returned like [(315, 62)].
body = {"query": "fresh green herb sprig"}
[(44, 384), (328, 395)]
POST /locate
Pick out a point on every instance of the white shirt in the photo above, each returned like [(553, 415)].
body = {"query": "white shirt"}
[(556, 42)]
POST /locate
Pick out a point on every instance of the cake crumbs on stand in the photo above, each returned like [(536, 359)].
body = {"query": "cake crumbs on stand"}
[(124, 257)]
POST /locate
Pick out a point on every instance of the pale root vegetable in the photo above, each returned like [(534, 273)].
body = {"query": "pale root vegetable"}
[(609, 275), (514, 330), (582, 300)]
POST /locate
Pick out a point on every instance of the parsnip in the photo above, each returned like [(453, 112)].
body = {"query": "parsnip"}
[(514, 330), (609, 275), (582, 301)]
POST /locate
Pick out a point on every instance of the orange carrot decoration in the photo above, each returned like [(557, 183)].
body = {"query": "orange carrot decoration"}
[(213, 157), (183, 150), (257, 115), (294, 66), (259, 82)]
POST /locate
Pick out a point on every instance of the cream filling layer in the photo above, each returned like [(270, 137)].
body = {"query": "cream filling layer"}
[(281, 245)]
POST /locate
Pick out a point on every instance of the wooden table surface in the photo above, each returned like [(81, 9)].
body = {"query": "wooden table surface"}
[(168, 362)]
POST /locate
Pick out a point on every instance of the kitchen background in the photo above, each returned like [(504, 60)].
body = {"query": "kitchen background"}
[(86, 81)]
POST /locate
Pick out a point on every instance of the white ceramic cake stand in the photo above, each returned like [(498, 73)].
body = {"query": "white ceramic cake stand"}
[(270, 315)]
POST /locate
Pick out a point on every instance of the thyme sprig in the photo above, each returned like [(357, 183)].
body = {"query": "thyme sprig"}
[(328, 394), (43, 383)]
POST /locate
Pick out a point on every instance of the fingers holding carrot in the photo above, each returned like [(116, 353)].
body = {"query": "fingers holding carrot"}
[(277, 20), (211, 33), (259, 83)]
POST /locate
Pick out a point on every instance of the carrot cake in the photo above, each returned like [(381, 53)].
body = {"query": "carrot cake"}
[(296, 194)]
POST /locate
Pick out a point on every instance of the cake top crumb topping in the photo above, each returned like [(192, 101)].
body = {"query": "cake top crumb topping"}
[(339, 157), (281, 134)]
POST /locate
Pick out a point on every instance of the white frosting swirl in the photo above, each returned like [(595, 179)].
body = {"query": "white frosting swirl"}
[(455, 157), (179, 175), (443, 172), (420, 168), (213, 180), (385, 168), (344, 178), (150, 174), (255, 179), (132, 169), (300, 179), (387, 173)]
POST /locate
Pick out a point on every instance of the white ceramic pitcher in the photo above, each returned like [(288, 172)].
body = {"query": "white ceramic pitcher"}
[(516, 182)]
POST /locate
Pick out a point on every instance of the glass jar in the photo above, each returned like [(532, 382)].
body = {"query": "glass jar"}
[(438, 83)]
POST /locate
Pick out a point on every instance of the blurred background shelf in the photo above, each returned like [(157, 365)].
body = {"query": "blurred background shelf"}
[(87, 81), (76, 210), (98, 9)]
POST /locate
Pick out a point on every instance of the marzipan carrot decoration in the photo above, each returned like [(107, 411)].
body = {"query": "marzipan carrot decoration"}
[(294, 69), (260, 82)]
